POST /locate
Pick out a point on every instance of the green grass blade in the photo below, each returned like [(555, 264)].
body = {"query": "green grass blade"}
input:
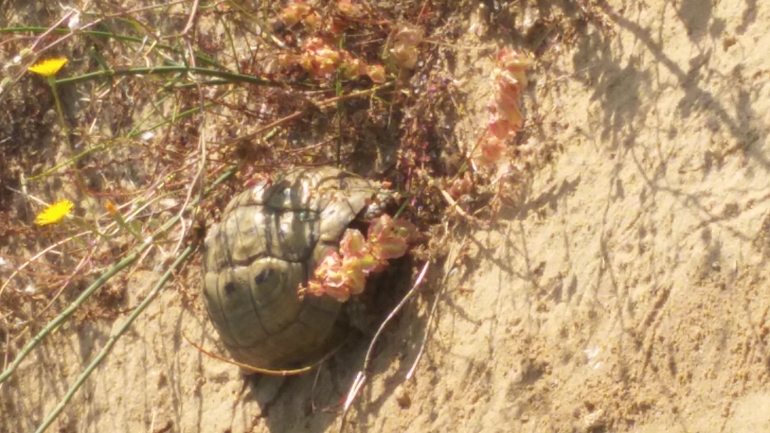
[(114, 339)]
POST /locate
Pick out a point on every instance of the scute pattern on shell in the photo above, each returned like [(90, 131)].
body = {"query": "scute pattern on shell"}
[(269, 241)]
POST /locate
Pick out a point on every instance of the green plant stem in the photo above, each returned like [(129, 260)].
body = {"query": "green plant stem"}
[(56, 322), (64, 126), (122, 224), (160, 70), (83, 224), (204, 59), (202, 83), (114, 339), (59, 109), (106, 145), (67, 162)]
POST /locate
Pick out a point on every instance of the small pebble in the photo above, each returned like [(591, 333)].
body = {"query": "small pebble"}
[(402, 397)]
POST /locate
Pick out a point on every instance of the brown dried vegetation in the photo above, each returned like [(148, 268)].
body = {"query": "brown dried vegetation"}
[(369, 88)]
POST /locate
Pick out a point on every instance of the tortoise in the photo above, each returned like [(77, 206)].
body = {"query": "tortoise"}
[(269, 241)]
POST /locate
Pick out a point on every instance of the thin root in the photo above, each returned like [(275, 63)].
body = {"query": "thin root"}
[(360, 379)]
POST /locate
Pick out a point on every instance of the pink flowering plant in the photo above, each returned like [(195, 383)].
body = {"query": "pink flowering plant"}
[(322, 57), (344, 273), (505, 118)]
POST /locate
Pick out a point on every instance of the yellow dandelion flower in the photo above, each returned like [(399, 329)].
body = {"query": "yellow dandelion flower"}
[(54, 213), (49, 67)]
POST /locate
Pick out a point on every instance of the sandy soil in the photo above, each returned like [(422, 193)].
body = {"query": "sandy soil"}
[(627, 293)]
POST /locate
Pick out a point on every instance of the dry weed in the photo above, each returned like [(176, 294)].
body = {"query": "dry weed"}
[(166, 110)]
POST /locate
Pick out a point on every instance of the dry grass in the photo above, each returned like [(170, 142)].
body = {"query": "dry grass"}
[(161, 102)]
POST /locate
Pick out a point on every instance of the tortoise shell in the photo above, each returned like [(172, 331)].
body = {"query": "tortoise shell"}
[(270, 239)]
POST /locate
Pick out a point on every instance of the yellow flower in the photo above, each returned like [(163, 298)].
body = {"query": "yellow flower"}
[(54, 213), (49, 67)]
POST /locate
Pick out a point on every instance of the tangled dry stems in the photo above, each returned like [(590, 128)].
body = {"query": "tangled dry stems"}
[(244, 91)]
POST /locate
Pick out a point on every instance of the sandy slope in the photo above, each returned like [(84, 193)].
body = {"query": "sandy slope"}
[(628, 293)]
